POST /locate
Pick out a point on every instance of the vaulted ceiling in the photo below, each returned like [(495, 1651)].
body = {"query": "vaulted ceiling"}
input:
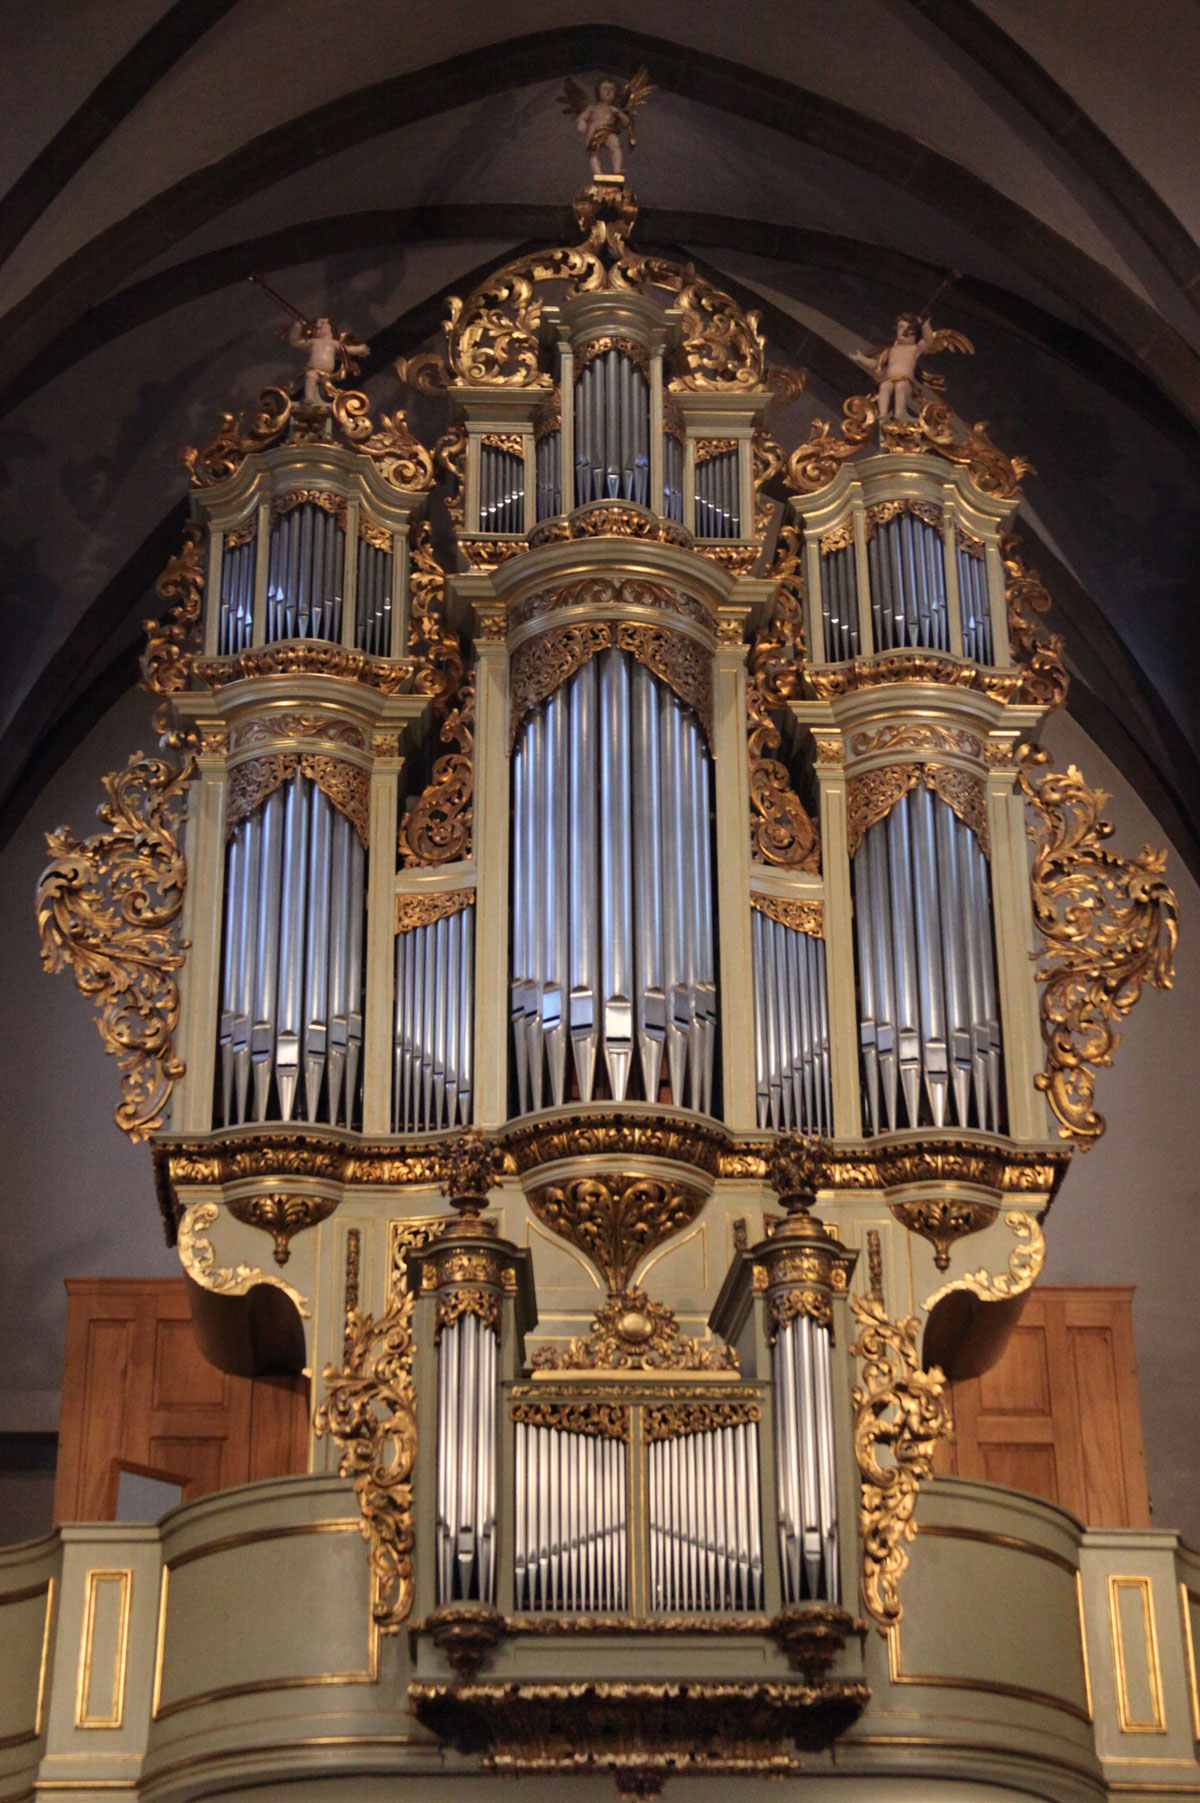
[(828, 159)]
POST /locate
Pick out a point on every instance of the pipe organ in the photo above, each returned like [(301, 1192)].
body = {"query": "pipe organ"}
[(611, 822)]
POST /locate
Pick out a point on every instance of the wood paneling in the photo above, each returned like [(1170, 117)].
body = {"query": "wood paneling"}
[(1059, 1413), (137, 1391)]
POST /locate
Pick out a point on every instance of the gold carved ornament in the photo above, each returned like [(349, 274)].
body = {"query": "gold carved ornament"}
[(421, 910), (801, 916), (815, 463), (673, 1421), (610, 519), (437, 828), (615, 1221), (708, 448), (539, 666), (781, 829), (628, 347), (271, 727), (883, 512), (304, 657), (401, 459), (347, 786), (602, 591), (1039, 654), (281, 1214), (871, 797), (493, 336), (199, 1259), (599, 1420), (370, 1409), (450, 461), (903, 1409), (943, 1219), (886, 667), (631, 1332), (1025, 1263), (324, 498), (722, 347), (1108, 925), (233, 441), (917, 736)]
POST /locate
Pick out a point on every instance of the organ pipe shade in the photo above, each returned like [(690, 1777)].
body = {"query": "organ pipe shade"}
[(434, 1058), (718, 510), (305, 575), (373, 602), (501, 490), (791, 1028), (612, 431), (806, 1492), (237, 597), (906, 560), (291, 1025), (466, 1461), (929, 1029), (548, 469), (613, 930), (839, 605), (571, 1520), (705, 1539)]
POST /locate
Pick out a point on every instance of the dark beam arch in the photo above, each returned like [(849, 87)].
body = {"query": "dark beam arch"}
[(129, 81), (110, 259)]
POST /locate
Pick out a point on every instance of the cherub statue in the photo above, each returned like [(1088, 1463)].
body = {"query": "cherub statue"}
[(332, 356), (894, 365), (613, 111)]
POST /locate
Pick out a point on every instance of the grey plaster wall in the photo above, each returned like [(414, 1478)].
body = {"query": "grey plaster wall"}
[(76, 1199)]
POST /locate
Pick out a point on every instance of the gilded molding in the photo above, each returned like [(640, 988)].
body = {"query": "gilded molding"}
[(610, 519), (684, 1141), (490, 553), (628, 347), (641, 1731), (308, 657), (282, 1215), (198, 1258), (943, 1219), (883, 512), (632, 1333), (370, 1409), (609, 1421), (917, 735), (510, 442), (108, 906), (420, 910), (604, 591), (802, 916), (271, 727), (886, 667), (871, 796), (674, 1421), (324, 498), (903, 1409), (539, 666), (830, 751), (739, 560), (1108, 925), (708, 448), (616, 1220), (781, 830), (1025, 1263)]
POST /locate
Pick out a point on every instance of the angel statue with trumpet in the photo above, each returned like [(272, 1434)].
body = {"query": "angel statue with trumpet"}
[(601, 121), (894, 365)]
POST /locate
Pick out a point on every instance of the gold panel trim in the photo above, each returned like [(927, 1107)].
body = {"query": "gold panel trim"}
[(1186, 1597), (83, 1689), (941, 1681), (160, 1711), (1012, 1542), (802, 916), (1125, 1720), (1083, 1646), (21, 1596), (414, 911)]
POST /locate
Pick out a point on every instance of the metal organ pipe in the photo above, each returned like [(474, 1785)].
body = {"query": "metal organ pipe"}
[(373, 611), (548, 462), (613, 937), (804, 1461), (929, 1026), (466, 1461), (704, 1539), (716, 498), (612, 431), (839, 604), (974, 605), (571, 1520), (501, 490), (791, 1015), (237, 597), (292, 963), (907, 572), (304, 575), (672, 476)]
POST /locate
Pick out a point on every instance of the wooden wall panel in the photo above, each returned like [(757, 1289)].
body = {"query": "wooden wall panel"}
[(1059, 1413), (137, 1391)]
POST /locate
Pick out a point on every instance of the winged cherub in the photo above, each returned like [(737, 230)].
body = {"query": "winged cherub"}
[(894, 365), (601, 121), (332, 356)]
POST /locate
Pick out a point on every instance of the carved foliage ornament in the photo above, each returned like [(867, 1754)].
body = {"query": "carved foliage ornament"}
[(420, 910), (616, 1220), (802, 916), (347, 785), (282, 1215), (781, 829), (602, 591), (900, 1409), (437, 828), (1025, 1263), (871, 797), (632, 1333), (943, 1219), (815, 463), (541, 665), (370, 1410), (108, 907), (401, 460), (1108, 925), (199, 1259), (304, 657), (1039, 653)]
